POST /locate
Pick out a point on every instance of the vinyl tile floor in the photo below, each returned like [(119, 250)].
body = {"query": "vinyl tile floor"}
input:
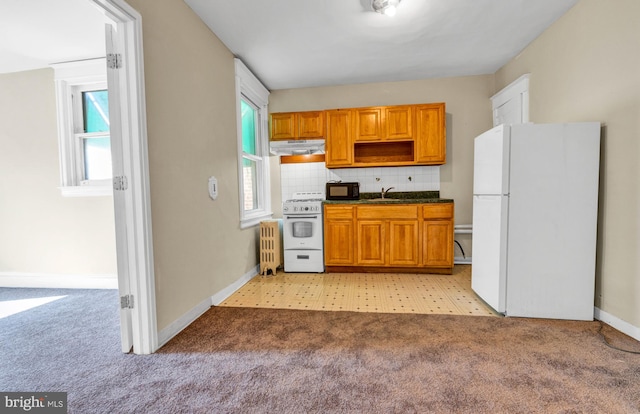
[(364, 292)]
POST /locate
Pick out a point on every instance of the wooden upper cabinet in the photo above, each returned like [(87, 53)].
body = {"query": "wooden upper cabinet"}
[(400, 135), (311, 124), (368, 124), (339, 145), (383, 123), (283, 125), (398, 122), (430, 139), (296, 125)]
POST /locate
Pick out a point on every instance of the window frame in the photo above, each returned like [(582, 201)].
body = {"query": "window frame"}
[(72, 78), (249, 88)]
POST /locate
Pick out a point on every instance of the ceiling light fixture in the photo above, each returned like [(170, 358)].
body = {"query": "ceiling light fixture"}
[(387, 7)]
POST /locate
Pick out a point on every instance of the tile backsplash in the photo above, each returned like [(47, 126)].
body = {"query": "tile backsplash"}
[(314, 175)]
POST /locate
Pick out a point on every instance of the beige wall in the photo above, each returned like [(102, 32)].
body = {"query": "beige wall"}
[(468, 114), (586, 67), (199, 248), (41, 231)]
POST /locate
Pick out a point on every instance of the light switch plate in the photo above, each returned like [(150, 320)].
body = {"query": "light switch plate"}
[(213, 188)]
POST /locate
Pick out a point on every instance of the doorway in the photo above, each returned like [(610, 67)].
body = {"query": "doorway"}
[(125, 78), (131, 205)]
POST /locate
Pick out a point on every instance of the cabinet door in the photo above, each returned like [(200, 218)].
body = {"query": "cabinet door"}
[(437, 243), (371, 242), (310, 124), (338, 235), (339, 148), (398, 122), (430, 134), (368, 124), (403, 243), (338, 242), (283, 125)]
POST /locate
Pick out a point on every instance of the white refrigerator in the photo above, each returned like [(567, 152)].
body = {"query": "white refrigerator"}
[(535, 208)]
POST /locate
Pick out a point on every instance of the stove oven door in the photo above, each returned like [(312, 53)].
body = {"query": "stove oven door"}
[(303, 232)]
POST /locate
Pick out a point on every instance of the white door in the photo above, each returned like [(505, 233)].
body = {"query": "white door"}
[(489, 245), (509, 112), (511, 104), (124, 286)]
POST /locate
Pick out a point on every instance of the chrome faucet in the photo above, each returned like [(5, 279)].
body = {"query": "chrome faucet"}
[(383, 192)]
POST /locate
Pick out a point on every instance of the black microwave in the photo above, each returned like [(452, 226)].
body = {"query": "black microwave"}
[(343, 191)]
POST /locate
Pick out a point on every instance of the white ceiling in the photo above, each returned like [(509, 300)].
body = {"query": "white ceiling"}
[(304, 43), (35, 33)]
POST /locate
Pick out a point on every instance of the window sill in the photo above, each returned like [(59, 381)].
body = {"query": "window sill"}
[(87, 191), (254, 220)]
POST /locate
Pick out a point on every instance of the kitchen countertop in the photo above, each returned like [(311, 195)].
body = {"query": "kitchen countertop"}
[(410, 197)]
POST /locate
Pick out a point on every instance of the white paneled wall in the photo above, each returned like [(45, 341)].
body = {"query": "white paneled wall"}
[(313, 176)]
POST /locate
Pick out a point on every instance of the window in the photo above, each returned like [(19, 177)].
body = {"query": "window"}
[(83, 128), (253, 161), (250, 156)]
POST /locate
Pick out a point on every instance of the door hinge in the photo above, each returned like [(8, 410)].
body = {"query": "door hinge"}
[(114, 60), (120, 183), (126, 302)]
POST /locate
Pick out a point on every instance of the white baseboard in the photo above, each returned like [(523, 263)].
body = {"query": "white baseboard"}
[(461, 260), (624, 327), (219, 297), (52, 280), (185, 320), (182, 322)]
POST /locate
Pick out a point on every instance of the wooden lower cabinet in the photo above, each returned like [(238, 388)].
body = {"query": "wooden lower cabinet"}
[(437, 235), (403, 243), (379, 238), (437, 243), (371, 243), (339, 235)]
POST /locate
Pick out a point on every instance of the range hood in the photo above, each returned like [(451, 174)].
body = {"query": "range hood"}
[(297, 147)]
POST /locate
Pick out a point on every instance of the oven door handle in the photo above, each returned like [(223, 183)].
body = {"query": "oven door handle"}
[(301, 217)]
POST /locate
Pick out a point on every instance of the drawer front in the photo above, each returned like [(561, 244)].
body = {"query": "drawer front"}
[(387, 212), (338, 212), (435, 211)]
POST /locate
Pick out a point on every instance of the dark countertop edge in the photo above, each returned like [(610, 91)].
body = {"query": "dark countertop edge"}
[(392, 201), (412, 195), (396, 197)]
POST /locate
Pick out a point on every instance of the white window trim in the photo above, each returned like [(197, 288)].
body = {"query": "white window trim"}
[(68, 77), (249, 86)]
